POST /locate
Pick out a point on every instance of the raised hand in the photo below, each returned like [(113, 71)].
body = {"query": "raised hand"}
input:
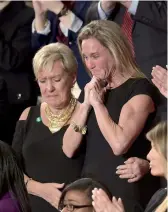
[(54, 6), (102, 203), (160, 77), (39, 8)]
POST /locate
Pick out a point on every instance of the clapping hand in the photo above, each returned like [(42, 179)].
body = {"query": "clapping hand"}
[(160, 77), (102, 203)]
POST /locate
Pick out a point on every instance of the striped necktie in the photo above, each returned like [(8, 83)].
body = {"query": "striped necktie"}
[(127, 27)]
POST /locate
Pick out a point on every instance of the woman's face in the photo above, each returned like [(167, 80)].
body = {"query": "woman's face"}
[(55, 85), (158, 163), (97, 58), (77, 201)]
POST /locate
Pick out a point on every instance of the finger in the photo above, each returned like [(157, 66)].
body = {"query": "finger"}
[(161, 69), (120, 202), (121, 167), (126, 176), (159, 73), (132, 180), (156, 83), (115, 203), (130, 160), (58, 185)]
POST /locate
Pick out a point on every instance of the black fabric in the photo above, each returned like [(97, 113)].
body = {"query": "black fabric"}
[(149, 36), (100, 161), (43, 157), (156, 200), (19, 88)]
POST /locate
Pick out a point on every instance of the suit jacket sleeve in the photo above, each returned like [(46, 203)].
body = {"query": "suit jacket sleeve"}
[(152, 13), (14, 51)]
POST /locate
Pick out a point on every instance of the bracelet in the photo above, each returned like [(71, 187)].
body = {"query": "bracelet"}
[(27, 181), (78, 128), (63, 12)]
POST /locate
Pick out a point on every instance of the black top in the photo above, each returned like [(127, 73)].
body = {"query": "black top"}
[(100, 161), (156, 200), (43, 158)]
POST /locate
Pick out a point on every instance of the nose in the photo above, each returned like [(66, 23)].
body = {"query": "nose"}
[(50, 86), (149, 155), (90, 64)]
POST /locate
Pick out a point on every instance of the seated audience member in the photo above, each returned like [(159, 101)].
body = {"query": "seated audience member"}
[(78, 195), (40, 130), (145, 25), (122, 104), (15, 63), (158, 165), (13, 194), (60, 21)]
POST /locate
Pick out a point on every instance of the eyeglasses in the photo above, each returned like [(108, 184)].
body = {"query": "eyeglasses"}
[(71, 207)]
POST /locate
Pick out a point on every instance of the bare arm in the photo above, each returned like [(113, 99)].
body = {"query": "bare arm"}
[(131, 122), (72, 139)]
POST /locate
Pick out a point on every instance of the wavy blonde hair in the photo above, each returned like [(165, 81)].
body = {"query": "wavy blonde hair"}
[(158, 136), (45, 58), (109, 34)]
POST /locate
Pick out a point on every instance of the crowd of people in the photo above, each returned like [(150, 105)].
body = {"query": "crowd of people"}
[(105, 151)]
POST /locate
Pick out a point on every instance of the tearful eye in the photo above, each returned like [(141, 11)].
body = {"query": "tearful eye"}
[(42, 81), (57, 80)]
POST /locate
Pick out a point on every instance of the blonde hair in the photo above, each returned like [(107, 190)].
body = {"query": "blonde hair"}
[(110, 36), (158, 136), (49, 54), (163, 206)]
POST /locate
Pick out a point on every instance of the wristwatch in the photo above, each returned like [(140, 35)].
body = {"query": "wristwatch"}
[(78, 128), (63, 12)]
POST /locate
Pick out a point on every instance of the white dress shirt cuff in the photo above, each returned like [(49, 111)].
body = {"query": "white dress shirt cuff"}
[(46, 30), (103, 15), (133, 7)]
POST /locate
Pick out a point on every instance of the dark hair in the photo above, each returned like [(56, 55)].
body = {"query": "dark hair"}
[(85, 185), (12, 178)]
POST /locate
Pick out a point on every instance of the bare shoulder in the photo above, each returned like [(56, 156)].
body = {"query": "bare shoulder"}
[(24, 114), (141, 102)]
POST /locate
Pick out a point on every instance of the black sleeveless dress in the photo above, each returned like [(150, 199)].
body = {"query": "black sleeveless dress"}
[(100, 161), (43, 158)]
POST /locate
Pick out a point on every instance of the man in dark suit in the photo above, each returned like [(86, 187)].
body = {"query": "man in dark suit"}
[(149, 31), (60, 21), (16, 76)]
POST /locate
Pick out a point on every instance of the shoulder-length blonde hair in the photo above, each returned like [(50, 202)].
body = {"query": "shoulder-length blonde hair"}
[(158, 136), (109, 34), (49, 54)]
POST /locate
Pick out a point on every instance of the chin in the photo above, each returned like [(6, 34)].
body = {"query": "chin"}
[(156, 173)]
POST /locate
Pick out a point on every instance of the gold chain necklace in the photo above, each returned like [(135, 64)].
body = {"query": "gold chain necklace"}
[(57, 121)]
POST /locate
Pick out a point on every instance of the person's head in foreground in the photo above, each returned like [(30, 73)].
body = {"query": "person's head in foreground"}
[(158, 153), (77, 196), (55, 68), (158, 164), (106, 52), (12, 180)]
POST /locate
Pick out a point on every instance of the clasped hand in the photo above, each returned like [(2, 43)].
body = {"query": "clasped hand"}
[(94, 92)]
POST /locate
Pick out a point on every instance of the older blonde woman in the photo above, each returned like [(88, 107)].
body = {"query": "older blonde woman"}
[(39, 133), (158, 165), (121, 112)]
